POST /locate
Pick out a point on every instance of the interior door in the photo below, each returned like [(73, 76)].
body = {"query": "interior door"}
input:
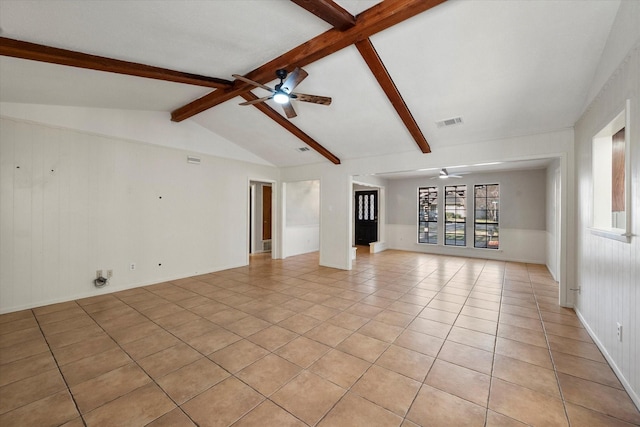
[(366, 217), (266, 212)]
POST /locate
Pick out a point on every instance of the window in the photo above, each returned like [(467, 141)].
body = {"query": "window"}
[(487, 212), (428, 215), (455, 208), (366, 205), (611, 172)]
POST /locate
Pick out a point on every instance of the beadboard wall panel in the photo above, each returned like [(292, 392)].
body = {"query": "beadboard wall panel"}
[(608, 271), (73, 202)]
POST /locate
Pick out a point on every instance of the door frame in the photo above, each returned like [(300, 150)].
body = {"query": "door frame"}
[(276, 245), (364, 186)]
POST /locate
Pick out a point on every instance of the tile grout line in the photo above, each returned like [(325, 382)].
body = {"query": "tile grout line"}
[(233, 374), (444, 340), (179, 406), (546, 339), (439, 350), (502, 290), (538, 291), (373, 363), (68, 388), (230, 373), (495, 344), (153, 380)]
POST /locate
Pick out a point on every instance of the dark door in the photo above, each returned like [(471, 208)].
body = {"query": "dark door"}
[(366, 215), (266, 212)]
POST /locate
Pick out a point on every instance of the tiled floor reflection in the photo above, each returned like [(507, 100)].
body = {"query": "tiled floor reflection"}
[(402, 339)]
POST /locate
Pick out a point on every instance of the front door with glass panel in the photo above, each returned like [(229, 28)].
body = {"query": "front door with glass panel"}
[(366, 214)]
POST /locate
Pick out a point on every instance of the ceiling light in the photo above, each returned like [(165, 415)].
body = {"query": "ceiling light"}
[(281, 98), (488, 164)]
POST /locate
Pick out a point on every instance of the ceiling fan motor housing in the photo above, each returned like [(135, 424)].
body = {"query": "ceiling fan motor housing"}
[(281, 74)]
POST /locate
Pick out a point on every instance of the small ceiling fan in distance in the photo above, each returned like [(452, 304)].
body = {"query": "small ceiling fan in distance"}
[(444, 174), (283, 92)]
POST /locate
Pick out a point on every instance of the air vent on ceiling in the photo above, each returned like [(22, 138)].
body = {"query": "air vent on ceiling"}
[(302, 149), (449, 122), (193, 159)]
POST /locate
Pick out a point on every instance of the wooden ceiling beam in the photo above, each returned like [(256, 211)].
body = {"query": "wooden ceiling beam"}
[(282, 121), (37, 52), (373, 20), (328, 11), (371, 57)]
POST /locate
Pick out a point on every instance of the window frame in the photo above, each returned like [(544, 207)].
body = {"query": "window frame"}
[(598, 228), (457, 229), (436, 222), (475, 216)]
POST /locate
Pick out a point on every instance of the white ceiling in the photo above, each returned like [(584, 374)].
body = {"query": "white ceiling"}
[(508, 67)]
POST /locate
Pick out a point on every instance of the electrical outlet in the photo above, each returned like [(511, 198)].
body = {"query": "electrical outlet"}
[(109, 274), (98, 274), (132, 266), (619, 331)]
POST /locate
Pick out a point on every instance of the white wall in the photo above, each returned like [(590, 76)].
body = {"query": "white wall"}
[(73, 202), (608, 271), (522, 215), (152, 127), (301, 232)]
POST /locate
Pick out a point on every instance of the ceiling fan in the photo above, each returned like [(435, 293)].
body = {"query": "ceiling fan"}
[(444, 174), (283, 92)]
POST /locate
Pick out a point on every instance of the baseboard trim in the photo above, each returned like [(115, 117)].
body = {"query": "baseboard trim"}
[(632, 393), (110, 290)]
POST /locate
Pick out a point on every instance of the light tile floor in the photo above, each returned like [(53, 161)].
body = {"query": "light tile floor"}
[(402, 339)]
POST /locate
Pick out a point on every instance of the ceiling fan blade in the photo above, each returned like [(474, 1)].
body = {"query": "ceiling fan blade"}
[(256, 101), (294, 79), (246, 80), (288, 110), (323, 100)]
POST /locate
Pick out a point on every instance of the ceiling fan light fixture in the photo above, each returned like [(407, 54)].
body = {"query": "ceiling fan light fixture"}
[(283, 93), (281, 98)]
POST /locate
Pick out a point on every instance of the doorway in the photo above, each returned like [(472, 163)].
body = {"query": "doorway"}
[(366, 217), (260, 216)]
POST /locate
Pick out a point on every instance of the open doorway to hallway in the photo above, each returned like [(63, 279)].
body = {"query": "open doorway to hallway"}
[(260, 217)]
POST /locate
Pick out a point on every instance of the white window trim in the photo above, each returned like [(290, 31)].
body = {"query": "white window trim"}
[(618, 234)]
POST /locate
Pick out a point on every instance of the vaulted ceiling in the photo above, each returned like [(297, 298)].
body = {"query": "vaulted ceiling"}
[(393, 68)]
